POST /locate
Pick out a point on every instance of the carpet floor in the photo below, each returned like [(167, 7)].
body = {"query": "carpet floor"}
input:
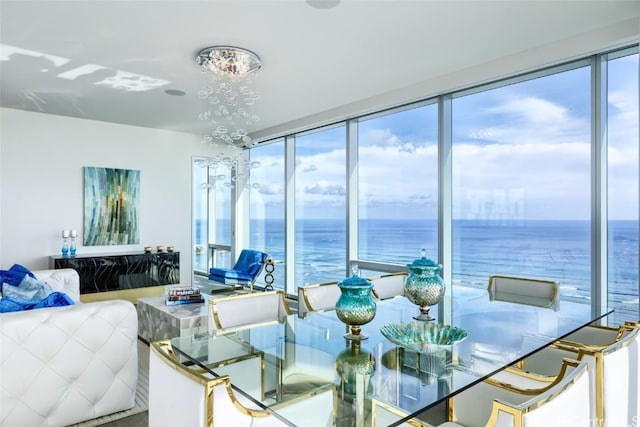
[(138, 416)]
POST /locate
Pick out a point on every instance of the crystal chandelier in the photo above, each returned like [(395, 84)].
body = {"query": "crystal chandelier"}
[(229, 97), (240, 173)]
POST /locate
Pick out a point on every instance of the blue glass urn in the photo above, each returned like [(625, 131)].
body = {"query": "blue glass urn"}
[(356, 306), (424, 286)]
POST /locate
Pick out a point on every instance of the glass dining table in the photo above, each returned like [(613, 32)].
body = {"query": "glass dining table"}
[(306, 373)]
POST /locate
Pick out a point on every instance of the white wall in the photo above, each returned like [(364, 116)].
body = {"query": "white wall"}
[(41, 183)]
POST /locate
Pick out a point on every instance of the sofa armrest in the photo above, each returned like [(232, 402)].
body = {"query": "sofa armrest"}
[(64, 280), (63, 365)]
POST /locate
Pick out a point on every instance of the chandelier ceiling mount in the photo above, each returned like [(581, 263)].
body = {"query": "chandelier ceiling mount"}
[(228, 61)]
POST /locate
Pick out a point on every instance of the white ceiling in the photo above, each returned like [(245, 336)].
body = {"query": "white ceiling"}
[(319, 65)]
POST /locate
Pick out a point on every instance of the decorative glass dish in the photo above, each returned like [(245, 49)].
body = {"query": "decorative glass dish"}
[(423, 337)]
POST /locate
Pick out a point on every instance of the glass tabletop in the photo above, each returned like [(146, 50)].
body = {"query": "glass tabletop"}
[(307, 373)]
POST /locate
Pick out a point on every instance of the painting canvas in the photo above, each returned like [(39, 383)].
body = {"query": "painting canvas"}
[(111, 204)]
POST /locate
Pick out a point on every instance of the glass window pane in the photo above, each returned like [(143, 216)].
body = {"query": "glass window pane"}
[(398, 185), (521, 183), (212, 211), (320, 209), (221, 176), (623, 167), (200, 212), (267, 205)]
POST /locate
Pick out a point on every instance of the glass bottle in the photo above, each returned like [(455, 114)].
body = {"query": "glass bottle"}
[(65, 243), (72, 246)]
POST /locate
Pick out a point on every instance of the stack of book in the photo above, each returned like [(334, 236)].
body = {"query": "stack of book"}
[(177, 296)]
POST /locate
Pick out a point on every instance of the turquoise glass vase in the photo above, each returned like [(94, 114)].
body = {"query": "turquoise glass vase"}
[(356, 306), (424, 286)]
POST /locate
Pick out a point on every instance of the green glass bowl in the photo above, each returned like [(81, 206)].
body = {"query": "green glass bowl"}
[(423, 337)]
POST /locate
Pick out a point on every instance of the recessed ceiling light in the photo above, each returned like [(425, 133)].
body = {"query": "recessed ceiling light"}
[(175, 92), (323, 4)]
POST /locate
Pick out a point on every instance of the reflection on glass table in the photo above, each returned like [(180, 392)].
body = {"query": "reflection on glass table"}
[(312, 376)]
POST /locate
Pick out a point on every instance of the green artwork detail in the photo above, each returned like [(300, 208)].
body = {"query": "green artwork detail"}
[(111, 205)]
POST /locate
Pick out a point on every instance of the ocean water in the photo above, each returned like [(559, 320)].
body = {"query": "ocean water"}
[(556, 250)]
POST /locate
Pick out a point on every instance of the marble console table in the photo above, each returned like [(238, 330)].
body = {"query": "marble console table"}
[(121, 271)]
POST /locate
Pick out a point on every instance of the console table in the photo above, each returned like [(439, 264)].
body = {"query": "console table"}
[(121, 271)]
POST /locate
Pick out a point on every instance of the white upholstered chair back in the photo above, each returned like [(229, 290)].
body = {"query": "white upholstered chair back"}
[(621, 393), (185, 396), (389, 285), (613, 358), (317, 297), (247, 309), (543, 293), (565, 402)]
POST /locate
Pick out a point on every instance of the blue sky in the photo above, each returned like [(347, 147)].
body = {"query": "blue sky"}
[(520, 152)]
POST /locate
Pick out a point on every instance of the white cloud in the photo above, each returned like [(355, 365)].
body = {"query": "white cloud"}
[(379, 137), (533, 110), (270, 189), (323, 187), (529, 158)]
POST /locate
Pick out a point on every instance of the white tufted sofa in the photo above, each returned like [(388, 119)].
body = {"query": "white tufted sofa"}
[(63, 365)]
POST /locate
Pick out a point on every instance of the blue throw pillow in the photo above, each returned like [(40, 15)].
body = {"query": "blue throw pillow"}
[(56, 299), (30, 289), (15, 274), (8, 304), (22, 291)]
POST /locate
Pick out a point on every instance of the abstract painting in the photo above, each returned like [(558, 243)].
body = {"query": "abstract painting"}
[(111, 205)]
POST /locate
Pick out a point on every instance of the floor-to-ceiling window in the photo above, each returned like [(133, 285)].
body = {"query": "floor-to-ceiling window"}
[(521, 182), (267, 205), (398, 185), (320, 206), (524, 185), (623, 169)]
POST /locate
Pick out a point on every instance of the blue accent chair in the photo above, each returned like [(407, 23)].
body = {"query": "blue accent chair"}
[(244, 272)]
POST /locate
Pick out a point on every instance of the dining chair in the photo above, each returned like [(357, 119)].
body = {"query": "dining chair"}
[(540, 293), (614, 363), (182, 395), (317, 297), (564, 402), (388, 285), (247, 309)]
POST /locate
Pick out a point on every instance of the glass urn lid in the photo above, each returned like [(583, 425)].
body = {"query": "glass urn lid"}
[(355, 282), (424, 263)]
